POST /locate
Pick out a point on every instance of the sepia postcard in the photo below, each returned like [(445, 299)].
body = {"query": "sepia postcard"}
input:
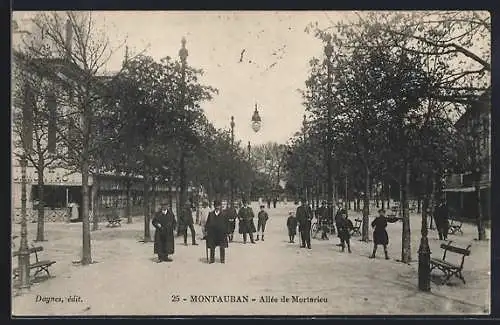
[(304, 163)]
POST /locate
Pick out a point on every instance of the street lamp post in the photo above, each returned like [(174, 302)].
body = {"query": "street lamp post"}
[(424, 253), (24, 255), (183, 54), (304, 131), (232, 157), (328, 52)]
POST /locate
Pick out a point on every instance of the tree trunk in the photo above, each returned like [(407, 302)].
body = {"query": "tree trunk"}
[(406, 242), (41, 207), (419, 204), (366, 208), (127, 201), (95, 191), (147, 232), (86, 249), (481, 232)]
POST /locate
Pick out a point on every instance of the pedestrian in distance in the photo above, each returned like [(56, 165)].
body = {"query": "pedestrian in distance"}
[(344, 228), (304, 221), (291, 224), (186, 219), (268, 202), (231, 214), (275, 201), (246, 226), (262, 218), (321, 215), (380, 236), (164, 223), (441, 218), (217, 232)]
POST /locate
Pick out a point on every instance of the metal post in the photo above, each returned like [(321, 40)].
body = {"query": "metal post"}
[(183, 54), (232, 157), (24, 255), (424, 254), (328, 52), (249, 181)]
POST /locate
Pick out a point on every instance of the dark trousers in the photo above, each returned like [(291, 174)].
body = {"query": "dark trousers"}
[(443, 232), (261, 225), (193, 233), (291, 238), (245, 237), (306, 238), (222, 252)]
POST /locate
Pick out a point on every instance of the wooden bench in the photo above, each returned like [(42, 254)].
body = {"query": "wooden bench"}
[(113, 221), (357, 226), (450, 269), (38, 265), (455, 227)]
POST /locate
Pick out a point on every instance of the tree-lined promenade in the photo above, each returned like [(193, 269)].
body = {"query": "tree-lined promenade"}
[(380, 103)]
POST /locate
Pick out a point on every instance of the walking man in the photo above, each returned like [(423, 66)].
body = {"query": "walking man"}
[(442, 223), (217, 232), (246, 225), (380, 236), (304, 220), (344, 227), (291, 224), (164, 223), (261, 222), (186, 219)]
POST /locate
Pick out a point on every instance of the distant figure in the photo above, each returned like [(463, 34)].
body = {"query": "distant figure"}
[(205, 210), (291, 224), (246, 225), (261, 222), (274, 202), (186, 220), (344, 228), (321, 214), (380, 236), (217, 232), (231, 214), (304, 221), (164, 223), (268, 202), (441, 218)]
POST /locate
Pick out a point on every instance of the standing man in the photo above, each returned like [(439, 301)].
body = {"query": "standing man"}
[(186, 219), (164, 223), (217, 232), (268, 202), (441, 218), (321, 215), (261, 222), (246, 225), (231, 215), (304, 220), (275, 201)]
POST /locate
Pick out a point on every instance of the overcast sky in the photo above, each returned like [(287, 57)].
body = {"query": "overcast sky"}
[(272, 68)]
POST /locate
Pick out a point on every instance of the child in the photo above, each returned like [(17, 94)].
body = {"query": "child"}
[(380, 236), (344, 228), (261, 223), (291, 224)]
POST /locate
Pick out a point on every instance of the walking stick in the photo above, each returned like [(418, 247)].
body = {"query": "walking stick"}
[(206, 249)]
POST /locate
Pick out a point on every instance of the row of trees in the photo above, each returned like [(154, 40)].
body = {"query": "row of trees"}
[(385, 103), (145, 120)]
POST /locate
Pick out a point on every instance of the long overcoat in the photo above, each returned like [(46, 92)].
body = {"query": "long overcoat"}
[(164, 232), (303, 218), (246, 224), (186, 218), (291, 224), (380, 236), (216, 227), (231, 215)]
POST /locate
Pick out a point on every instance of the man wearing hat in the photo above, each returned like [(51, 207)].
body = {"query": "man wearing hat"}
[(216, 227), (186, 220), (164, 223), (231, 214), (304, 220), (246, 225), (441, 218)]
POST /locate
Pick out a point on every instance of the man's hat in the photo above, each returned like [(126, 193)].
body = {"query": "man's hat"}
[(262, 206), (381, 211), (217, 203)]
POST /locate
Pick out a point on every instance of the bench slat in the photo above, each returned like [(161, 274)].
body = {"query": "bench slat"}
[(31, 250), (444, 263), (455, 249)]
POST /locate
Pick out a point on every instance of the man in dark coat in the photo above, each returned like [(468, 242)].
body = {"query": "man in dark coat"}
[(217, 227), (231, 214), (246, 225), (321, 214), (275, 201), (186, 219), (441, 217), (164, 223), (304, 220), (268, 202), (344, 228)]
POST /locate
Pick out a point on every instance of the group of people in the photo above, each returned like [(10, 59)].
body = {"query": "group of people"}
[(344, 226), (218, 228)]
